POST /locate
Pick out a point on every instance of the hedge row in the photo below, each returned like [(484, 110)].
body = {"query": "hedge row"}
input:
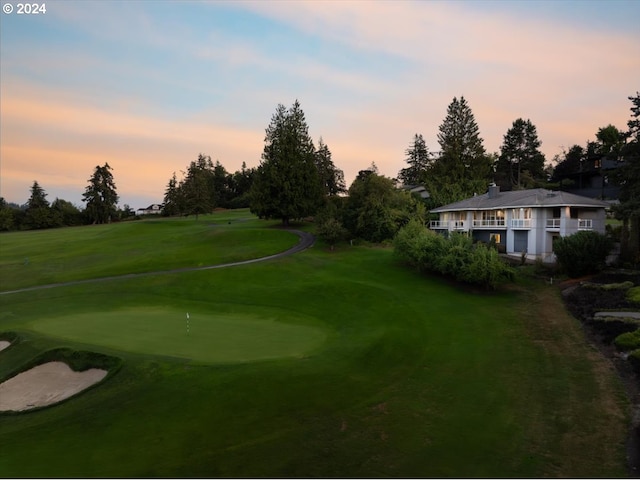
[(455, 256)]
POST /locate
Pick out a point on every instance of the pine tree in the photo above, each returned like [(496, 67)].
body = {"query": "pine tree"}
[(629, 178), (463, 167), (286, 183), (198, 185), (520, 164), (331, 177), (172, 196), (419, 160), (100, 196), (38, 213)]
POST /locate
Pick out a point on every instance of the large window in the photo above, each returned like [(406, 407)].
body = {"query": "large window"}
[(521, 218), (521, 214)]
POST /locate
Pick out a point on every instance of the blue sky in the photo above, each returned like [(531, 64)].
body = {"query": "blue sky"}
[(148, 85)]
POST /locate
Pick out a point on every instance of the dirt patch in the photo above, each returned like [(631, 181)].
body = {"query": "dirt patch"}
[(4, 344), (45, 384)]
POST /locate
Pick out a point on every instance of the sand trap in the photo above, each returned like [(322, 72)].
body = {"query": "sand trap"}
[(4, 344), (45, 384)]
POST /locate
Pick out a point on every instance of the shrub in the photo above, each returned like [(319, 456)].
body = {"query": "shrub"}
[(331, 231), (455, 256), (634, 294), (628, 341), (582, 253), (484, 267)]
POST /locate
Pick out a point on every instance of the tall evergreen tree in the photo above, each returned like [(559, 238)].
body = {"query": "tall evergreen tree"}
[(521, 163), (38, 213), (172, 198), (240, 186), (198, 187), (463, 168), (220, 185), (419, 159), (286, 184), (331, 177), (100, 196), (629, 179)]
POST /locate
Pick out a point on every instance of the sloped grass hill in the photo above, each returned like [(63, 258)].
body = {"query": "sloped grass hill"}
[(389, 374)]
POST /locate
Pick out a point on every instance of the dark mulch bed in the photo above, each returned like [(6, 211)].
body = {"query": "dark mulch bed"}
[(583, 301)]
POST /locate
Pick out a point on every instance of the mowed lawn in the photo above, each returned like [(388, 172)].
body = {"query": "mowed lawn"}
[(77, 253), (386, 373)]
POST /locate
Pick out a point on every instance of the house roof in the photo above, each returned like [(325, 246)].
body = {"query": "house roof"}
[(537, 197)]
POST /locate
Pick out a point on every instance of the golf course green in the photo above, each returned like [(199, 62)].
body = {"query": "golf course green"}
[(322, 363), (221, 337)]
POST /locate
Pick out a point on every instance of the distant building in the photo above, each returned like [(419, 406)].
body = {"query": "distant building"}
[(418, 189), (154, 209), (595, 178)]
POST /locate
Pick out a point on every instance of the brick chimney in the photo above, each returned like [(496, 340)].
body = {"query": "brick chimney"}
[(494, 190)]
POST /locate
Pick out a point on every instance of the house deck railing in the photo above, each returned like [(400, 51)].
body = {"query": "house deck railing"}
[(459, 225), (521, 223), (446, 224), (436, 224), (585, 224), (553, 223), (580, 223), (498, 222)]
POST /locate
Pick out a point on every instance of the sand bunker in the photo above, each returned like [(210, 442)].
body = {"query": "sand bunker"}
[(45, 384), (4, 344)]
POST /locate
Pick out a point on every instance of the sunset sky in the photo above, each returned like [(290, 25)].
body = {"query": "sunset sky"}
[(148, 85)]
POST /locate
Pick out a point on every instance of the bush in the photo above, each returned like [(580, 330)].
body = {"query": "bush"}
[(634, 294), (628, 341), (582, 253), (331, 231), (455, 256)]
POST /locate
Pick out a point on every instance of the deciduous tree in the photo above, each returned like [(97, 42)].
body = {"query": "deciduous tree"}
[(376, 209)]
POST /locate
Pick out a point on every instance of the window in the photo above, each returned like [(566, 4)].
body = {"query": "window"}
[(521, 214), (494, 237)]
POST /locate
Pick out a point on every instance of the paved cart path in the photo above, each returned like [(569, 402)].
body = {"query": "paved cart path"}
[(306, 241)]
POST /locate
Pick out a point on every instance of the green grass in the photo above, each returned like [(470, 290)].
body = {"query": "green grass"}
[(66, 254), (235, 334), (391, 374)]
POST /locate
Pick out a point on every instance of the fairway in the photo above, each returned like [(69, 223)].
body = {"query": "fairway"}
[(330, 364), (225, 337)]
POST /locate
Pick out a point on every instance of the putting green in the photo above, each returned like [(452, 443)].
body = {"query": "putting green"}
[(222, 337)]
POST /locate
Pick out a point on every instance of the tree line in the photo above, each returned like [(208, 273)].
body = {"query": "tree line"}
[(297, 179), (100, 198)]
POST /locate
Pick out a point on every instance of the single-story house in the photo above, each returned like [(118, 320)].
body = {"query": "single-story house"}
[(154, 209), (522, 220)]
